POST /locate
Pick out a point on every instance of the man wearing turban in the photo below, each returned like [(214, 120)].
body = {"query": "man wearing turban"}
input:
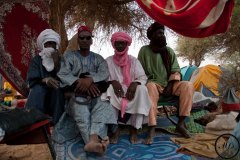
[(45, 93), (127, 92), (162, 69), (81, 70)]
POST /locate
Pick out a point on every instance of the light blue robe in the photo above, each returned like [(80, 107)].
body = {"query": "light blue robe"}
[(91, 118)]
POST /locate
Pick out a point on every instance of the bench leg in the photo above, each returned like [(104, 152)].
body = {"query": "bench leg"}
[(168, 117)]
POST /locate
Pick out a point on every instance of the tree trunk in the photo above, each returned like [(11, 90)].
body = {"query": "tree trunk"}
[(56, 21)]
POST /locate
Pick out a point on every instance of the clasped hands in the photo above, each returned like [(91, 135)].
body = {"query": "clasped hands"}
[(86, 85), (169, 88), (117, 87)]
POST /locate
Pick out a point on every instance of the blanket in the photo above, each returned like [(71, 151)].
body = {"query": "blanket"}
[(200, 144)]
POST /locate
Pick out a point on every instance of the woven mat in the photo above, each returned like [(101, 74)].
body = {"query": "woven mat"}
[(192, 126)]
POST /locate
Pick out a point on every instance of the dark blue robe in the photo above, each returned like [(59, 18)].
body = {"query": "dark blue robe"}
[(48, 100)]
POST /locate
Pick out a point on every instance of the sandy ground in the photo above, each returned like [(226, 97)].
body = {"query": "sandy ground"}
[(25, 152)]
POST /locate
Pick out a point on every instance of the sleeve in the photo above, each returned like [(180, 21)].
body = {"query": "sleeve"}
[(175, 69), (110, 68), (140, 57), (34, 72), (143, 61), (139, 74), (65, 73), (102, 72), (174, 61)]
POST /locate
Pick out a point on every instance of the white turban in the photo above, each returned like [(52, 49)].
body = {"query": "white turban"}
[(46, 36)]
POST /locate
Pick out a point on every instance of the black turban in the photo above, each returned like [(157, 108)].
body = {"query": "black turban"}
[(155, 26)]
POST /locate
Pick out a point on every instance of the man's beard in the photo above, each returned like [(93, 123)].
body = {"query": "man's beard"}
[(158, 44)]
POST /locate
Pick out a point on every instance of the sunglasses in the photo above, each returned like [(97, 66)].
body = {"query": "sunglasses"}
[(86, 37)]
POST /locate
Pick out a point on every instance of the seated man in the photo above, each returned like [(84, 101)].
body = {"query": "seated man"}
[(45, 93), (80, 70), (163, 71), (127, 91)]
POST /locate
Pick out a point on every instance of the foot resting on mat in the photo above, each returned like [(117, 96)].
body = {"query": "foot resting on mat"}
[(133, 135), (182, 130), (150, 136), (96, 146), (114, 136)]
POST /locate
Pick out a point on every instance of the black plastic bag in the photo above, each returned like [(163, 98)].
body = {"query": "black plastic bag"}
[(13, 120)]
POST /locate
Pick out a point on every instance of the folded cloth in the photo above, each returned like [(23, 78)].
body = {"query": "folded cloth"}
[(201, 144)]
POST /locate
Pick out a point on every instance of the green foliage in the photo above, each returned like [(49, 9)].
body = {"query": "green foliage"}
[(231, 77), (194, 49)]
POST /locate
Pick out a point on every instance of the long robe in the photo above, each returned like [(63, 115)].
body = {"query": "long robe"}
[(48, 100), (90, 118), (140, 105)]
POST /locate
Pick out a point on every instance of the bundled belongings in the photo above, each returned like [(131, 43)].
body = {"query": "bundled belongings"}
[(226, 122), (231, 102), (222, 124)]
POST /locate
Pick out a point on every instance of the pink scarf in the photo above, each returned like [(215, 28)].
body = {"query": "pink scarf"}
[(122, 60)]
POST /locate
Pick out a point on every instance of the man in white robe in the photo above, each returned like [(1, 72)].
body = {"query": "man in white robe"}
[(127, 91)]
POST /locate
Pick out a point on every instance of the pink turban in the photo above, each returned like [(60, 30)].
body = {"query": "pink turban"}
[(122, 59), (121, 36)]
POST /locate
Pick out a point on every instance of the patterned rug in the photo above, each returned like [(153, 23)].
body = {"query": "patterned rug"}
[(20, 24), (161, 149)]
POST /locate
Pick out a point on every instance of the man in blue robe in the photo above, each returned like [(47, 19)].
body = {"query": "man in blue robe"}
[(81, 70), (45, 93)]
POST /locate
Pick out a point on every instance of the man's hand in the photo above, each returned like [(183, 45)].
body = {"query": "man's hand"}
[(117, 88), (169, 89), (51, 82), (93, 90), (131, 90), (83, 84)]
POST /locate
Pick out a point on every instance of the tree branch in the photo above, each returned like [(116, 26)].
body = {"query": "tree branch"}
[(123, 2)]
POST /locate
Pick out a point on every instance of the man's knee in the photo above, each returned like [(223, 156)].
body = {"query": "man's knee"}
[(188, 86), (151, 86)]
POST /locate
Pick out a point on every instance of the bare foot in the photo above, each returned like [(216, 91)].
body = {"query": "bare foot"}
[(150, 136), (105, 142), (183, 131), (133, 135), (114, 136), (95, 147)]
